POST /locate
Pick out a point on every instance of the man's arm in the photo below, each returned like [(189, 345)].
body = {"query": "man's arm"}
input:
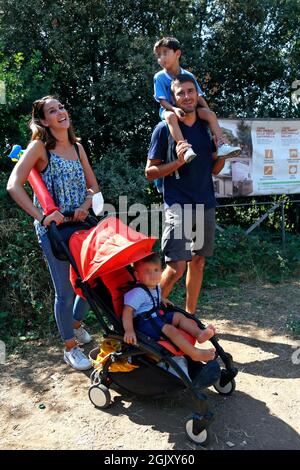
[(202, 101), (155, 169)]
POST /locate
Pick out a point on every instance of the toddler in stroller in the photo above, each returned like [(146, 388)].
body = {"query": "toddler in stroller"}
[(142, 311)]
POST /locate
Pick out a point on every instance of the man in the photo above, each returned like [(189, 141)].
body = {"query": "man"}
[(187, 186)]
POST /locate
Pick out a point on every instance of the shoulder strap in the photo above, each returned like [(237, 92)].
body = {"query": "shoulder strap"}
[(167, 127), (77, 151), (171, 150), (51, 175), (171, 142), (146, 289)]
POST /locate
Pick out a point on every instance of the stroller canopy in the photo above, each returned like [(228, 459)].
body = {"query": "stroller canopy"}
[(107, 247)]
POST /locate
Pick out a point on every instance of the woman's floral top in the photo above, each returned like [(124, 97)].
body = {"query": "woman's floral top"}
[(66, 183)]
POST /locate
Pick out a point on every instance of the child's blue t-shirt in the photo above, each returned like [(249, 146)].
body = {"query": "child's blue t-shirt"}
[(162, 86), (140, 300)]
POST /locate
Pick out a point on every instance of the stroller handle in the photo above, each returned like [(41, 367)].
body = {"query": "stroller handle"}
[(59, 236), (68, 214), (90, 219)]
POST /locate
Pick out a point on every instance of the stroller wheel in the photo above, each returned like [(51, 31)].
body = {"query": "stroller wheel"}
[(195, 432), (99, 396), (227, 389)]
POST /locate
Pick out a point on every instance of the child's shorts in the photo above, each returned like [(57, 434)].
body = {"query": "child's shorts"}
[(146, 327)]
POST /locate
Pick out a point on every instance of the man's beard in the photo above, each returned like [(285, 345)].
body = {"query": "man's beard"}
[(189, 110)]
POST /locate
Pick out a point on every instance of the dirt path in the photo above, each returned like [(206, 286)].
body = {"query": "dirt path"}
[(263, 413)]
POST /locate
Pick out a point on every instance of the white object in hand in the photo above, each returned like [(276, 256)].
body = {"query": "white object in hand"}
[(98, 203)]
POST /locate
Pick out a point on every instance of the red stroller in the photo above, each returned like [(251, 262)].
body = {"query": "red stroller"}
[(100, 257)]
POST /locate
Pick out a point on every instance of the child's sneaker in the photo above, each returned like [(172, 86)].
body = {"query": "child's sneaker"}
[(189, 155), (228, 151), (82, 336), (77, 359)]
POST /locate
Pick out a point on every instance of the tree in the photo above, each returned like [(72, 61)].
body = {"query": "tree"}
[(248, 56), (97, 56)]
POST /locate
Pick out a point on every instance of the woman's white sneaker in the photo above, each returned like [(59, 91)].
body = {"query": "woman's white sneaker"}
[(82, 336), (77, 359)]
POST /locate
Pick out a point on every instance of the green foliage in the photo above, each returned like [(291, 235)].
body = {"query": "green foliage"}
[(26, 294), (90, 318), (249, 56), (243, 212), (118, 177), (293, 325), (98, 57), (259, 256)]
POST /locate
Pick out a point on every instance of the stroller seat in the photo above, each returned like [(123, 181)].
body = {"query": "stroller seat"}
[(170, 347)]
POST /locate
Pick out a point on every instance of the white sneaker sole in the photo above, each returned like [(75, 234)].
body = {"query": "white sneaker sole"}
[(234, 153)]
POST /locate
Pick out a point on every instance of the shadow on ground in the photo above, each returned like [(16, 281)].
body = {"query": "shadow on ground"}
[(231, 425), (280, 366)]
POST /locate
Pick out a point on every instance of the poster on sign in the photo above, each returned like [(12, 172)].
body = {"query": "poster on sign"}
[(269, 162)]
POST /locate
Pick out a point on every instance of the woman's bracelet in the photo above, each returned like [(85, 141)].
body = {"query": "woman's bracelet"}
[(42, 220), (89, 196)]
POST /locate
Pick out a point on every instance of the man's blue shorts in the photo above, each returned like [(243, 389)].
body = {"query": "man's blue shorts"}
[(146, 327)]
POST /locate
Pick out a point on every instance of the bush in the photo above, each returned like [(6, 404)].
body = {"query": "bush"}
[(26, 293), (118, 177), (26, 300), (258, 256)]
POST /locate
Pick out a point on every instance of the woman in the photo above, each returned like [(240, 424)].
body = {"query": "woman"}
[(56, 153)]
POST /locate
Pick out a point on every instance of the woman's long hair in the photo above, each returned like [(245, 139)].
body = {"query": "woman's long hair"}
[(40, 132)]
